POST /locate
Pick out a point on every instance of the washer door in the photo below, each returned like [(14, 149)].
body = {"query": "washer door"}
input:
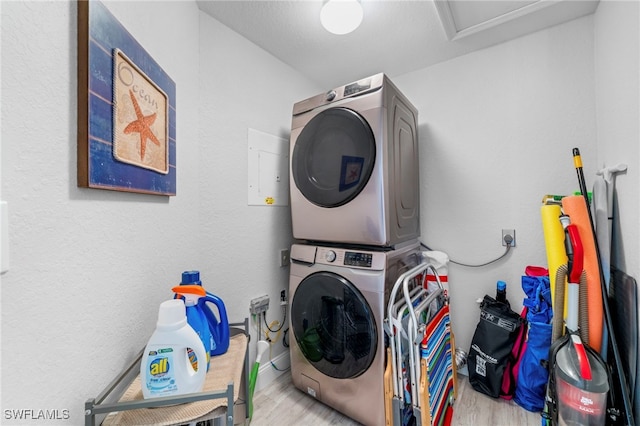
[(333, 325), (333, 157)]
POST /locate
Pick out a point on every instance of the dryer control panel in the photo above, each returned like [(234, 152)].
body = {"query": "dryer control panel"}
[(357, 88)]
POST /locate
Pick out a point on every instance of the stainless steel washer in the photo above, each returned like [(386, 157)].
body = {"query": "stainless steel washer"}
[(354, 166), (338, 301)]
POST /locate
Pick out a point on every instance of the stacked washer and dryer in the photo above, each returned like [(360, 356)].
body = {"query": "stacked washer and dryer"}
[(355, 208)]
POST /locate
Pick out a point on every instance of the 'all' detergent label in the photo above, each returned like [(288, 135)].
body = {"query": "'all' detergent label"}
[(160, 378)]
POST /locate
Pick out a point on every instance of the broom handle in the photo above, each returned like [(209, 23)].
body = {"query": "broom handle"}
[(577, 160)]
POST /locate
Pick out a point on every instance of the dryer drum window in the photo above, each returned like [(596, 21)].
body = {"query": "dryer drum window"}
[(333, 325), (333, 157)]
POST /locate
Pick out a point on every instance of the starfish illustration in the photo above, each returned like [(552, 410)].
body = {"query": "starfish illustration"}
[(141, 125)]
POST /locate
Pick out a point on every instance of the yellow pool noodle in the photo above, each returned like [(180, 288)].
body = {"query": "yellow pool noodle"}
[(554, 243)]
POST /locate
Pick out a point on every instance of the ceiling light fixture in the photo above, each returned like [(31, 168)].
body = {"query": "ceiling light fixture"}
[(341, 16)]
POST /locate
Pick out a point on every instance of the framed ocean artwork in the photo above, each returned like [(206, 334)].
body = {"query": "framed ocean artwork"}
[(126, 109)]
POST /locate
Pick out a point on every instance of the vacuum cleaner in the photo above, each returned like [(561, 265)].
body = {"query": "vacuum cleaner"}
[(578, 381)]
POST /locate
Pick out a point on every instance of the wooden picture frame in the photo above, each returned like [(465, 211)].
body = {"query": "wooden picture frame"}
[(126, 109)]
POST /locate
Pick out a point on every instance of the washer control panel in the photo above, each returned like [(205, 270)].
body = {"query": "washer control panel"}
[(349, 258), (330, 256), (353, 258), (338, 257)]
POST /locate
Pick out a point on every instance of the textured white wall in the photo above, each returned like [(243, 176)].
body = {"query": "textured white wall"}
[(617, 70), (617, 49), (89, 267), (242, 87), (496, 132)]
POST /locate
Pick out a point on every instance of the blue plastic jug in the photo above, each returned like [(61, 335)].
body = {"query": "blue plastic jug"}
[(197, 319), (215, 312)]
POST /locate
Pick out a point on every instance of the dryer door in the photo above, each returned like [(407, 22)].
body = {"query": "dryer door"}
[(333, 157), (333, 325)]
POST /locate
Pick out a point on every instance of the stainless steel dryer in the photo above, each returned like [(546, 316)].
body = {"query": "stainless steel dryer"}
[(354, 166), (338, 302)]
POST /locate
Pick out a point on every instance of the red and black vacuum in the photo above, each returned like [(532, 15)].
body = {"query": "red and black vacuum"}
[(581, 379)]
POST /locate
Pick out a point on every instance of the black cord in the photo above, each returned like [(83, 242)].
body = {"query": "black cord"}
[(285, 339), (264, 319), (474, 266), (279, 369)]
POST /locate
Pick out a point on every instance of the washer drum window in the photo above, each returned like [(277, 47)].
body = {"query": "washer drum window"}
[(334, 325)]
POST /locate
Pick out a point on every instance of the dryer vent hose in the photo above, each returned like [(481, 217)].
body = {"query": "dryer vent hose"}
[(558, 309)]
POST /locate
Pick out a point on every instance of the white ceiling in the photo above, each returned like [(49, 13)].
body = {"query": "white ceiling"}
[(396, 36)]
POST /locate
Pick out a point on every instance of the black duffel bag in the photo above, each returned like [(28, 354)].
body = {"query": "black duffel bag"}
[(491, 345)]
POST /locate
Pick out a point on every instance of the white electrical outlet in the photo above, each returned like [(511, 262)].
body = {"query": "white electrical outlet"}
[(284, 257), (509, 235)]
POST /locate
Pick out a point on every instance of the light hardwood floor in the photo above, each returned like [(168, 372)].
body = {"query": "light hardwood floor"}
[(284, 405)]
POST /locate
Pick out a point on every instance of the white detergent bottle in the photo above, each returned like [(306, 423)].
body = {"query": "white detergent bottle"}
[(165, 369)]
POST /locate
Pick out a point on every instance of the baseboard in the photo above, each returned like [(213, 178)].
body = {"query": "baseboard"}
[(267, 373)]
